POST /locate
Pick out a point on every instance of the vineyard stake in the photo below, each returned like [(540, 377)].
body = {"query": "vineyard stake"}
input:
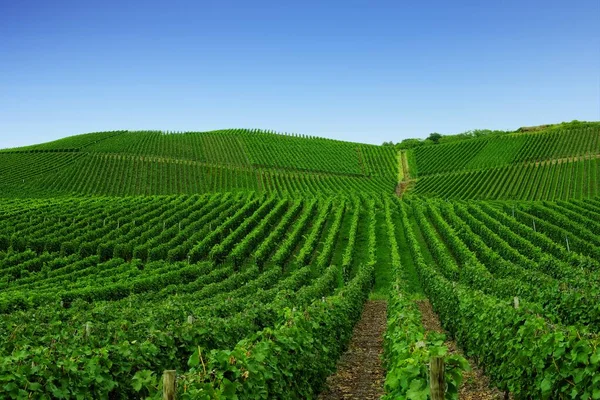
[(516, 302), (533, 220), (567, 239), (169, 384), (437, 385)]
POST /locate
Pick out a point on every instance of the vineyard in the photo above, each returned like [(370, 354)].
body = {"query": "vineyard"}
[(564, 179), (503, 150), (239, 262), (552, 165), (127, 163)]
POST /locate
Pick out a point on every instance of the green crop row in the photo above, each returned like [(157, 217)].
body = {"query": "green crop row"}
[(499, 151), (521, 351), (575, 178)]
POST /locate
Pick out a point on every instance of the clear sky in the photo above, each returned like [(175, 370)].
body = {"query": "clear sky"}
[(368, 71)]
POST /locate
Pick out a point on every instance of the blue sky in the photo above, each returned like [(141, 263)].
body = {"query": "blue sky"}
[(368, 71)]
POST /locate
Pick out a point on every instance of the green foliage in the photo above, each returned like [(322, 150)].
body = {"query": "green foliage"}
[(523, 352), (490, 149), (434, 137), (138, 312), (254, 293), (290, 361), (579, 178), (410, 144), (125, 163), (408, 347)]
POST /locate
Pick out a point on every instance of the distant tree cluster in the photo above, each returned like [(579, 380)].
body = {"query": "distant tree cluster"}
[(437, 138)]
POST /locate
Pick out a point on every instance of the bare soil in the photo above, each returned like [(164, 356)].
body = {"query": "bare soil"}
[(360, 373), (564, 160), (402, 187), (406, 180), (405, 170)]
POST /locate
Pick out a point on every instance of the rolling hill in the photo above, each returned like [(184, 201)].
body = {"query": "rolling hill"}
[(541, 165), (141, 163), (241, 261)]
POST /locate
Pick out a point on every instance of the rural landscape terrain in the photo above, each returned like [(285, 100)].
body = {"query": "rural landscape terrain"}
[(249, 264)]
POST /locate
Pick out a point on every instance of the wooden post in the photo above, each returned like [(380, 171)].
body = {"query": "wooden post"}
[(534, 224), (169, 384), (516, 301), (437, 384), (190, 319), (567, 239)]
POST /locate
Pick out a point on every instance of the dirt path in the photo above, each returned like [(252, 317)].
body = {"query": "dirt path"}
[(404, 183), (402, 187), (405, 169), (584, 157), (360, 374), (475, 385)]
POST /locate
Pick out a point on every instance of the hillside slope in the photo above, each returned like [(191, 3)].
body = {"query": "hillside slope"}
[(555, 163), (573, 140), (264, 283), (153, 162), (544, 165)]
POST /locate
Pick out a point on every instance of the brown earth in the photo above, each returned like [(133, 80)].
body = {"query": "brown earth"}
[(564, 160), (406, 181), (533, 128), (405, 170), (402, 187), (360, 374)]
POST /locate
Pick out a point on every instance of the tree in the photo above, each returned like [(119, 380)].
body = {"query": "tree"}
[(434, 137), (410, 143)]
